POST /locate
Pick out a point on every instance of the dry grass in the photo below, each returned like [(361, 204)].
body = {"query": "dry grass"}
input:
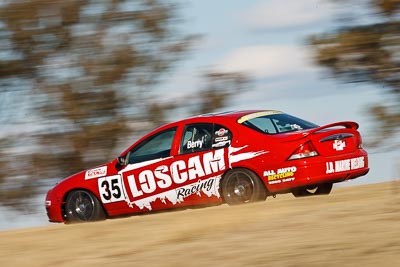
[(354, 226)]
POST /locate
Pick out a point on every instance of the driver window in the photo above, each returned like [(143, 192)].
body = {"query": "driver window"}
[(197, 137), (155, 147)]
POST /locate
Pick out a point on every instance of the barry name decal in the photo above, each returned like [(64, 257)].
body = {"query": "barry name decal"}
[(345, 165), (196, 144)]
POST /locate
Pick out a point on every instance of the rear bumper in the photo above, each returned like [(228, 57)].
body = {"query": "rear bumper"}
[(334, 178), (317, 170)]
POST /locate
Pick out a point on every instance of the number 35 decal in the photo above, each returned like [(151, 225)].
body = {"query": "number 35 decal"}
[(110, 189)]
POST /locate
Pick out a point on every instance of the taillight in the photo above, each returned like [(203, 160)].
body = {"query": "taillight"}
[(360, 146), (306, 150)]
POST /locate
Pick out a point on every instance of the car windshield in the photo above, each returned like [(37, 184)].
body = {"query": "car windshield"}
[(277, 123)]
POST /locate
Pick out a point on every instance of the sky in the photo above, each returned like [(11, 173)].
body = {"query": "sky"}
[(267, 39)]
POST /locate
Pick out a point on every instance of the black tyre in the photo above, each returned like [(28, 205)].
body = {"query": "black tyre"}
[(241, 186), (320, 189), (83, 206)]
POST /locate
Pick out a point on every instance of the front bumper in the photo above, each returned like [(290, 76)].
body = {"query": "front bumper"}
[(53, 207)]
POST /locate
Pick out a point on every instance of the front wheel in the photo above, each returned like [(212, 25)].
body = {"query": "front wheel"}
[(83, 206), (320, 189), (241, 186)]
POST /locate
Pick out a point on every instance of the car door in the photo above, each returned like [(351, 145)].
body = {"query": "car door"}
[(156, 179), (204, 154), (146, 178)]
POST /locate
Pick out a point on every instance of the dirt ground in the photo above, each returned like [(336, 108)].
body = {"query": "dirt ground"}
[(354, 226)]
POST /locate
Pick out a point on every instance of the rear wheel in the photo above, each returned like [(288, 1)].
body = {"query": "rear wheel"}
[(241, 186), (319, 189), (83, 206)]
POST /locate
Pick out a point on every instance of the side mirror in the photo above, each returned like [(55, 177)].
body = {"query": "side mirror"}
[(121, 161)]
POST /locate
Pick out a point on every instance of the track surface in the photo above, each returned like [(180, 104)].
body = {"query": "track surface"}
[(354, 226)]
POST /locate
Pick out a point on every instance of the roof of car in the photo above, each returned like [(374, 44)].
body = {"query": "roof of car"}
[(232, 116), (227, 117), (238, 113)]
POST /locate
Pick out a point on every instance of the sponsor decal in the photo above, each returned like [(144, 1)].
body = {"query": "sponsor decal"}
[(221, 132), (195, 188), (222, 143), (198, 175), (179, 172), (221, 139), (209, 187), (282, 175), (339, 145), (96, 173), (345, 165)]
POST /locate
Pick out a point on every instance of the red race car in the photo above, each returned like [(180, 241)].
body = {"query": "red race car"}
[(232, 157)]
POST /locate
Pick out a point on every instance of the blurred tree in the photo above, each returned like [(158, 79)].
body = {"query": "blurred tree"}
[(90, 66), (219, 87), (216, 91), (368, 53)]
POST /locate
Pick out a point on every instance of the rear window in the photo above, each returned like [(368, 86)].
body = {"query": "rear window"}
[(276, 123)]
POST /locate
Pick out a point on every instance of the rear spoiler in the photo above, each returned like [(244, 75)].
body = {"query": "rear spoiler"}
[(308, 132), (346, 124)]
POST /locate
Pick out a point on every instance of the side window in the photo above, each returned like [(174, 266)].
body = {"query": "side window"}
[(283, 126), (196, 137), (222, 137), (200, 137), (155, 147), (265, 124)]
